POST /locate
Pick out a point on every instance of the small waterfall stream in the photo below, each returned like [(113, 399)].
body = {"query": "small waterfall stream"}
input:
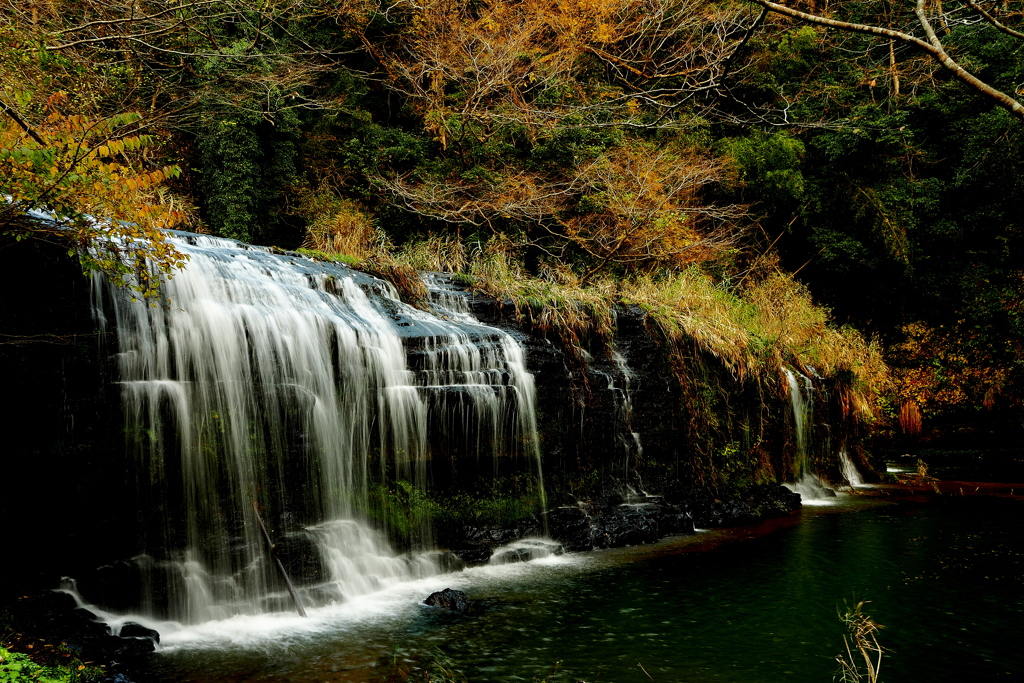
[(801, 397), (628, 439), (297, 389), (849, 470)]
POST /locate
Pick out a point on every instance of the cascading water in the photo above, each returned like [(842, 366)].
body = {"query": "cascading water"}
[(849, 470), (276, 386), (629, 440), (801, 399), (491, 373)]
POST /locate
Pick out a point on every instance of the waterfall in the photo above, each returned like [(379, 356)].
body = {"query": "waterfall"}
[(801, 398), (491, 371), (849, 470), (628, 439), (302, 390)]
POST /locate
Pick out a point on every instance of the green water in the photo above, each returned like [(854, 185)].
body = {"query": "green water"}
[(946, 579)]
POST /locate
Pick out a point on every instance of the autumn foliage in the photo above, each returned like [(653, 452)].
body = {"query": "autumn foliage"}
[(81, 182)]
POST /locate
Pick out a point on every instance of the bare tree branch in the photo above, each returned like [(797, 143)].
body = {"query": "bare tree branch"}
[(995, 22), (933, 46)]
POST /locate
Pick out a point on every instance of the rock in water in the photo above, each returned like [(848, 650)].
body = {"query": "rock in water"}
[(133, 630), (449, 599)]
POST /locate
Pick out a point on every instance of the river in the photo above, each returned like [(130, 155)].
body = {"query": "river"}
[(945, 578)]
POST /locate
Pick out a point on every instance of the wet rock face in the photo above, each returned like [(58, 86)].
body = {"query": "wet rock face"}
[(474, 556), (449, 599), (613, 523), (475, 544), (301, 559), (757, 503), (588, 526)]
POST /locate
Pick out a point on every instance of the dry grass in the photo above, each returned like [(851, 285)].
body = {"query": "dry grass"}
[(342, 230), (439, 253), (555, 305), (862, 660), (794, 330), (690, 309), (341, 226), (753, 331)]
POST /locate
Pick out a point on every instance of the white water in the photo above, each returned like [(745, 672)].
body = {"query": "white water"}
[(801, 398), (525, 550), (292, 387), (493, 368), (280, 630), (620, 385), (850, 472)]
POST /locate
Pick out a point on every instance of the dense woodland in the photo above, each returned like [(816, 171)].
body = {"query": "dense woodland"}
[(835, 185)]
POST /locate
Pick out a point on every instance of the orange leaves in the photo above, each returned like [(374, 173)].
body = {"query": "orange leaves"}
[(935, 370), (640, 207), (151, 179), (492, 60), (577, 22), (107, 209)]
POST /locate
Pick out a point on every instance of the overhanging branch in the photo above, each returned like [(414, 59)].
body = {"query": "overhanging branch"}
[(932, 46)]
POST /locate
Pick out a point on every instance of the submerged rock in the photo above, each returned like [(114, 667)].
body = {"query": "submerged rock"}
[(449, 599)]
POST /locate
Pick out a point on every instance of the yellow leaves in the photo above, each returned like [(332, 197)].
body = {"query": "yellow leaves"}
[(100, 206), (640, 208), (604, 33)]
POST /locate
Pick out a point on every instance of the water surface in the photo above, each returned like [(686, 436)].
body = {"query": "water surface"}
[(946, 579)]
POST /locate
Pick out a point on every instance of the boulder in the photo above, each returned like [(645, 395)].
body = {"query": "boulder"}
[(474, 556), (613, 524), (132, 630), (56, 616), (449, 599)]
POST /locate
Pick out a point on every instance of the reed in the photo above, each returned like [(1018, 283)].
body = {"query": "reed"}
[(861, 659)]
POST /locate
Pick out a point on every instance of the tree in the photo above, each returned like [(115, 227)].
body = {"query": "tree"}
[(640, 207), (565, 122), (471, 68), (81, 182), (222, 80), (927, 13)]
